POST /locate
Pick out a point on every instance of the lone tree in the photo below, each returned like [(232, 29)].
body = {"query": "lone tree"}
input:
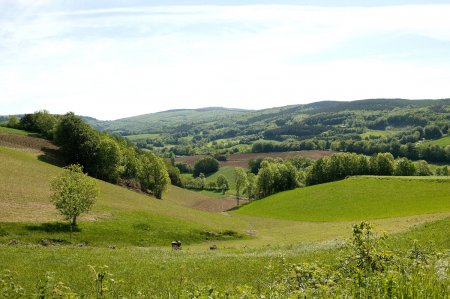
[(241, 182), (74, 192)]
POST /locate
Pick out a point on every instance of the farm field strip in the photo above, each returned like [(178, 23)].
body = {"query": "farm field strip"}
[(241, 159)]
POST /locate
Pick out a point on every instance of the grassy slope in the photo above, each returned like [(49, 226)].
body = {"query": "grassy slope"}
[(5, 130), (228, 173), (378, 133), (444, 141), (158, 269), (134, 218), (357, 199), (141, 220)]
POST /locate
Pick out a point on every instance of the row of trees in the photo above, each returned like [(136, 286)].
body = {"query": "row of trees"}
[(199, 183), (276, 175), (414, 151), (411, 150), (107, 157), (342, 165)]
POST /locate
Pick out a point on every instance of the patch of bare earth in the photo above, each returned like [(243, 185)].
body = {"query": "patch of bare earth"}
[(26, 142), (241, 159)]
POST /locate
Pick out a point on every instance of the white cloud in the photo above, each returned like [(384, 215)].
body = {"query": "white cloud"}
[(122, 62)]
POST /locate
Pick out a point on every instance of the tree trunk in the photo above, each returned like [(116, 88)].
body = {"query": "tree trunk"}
[(74, 221)]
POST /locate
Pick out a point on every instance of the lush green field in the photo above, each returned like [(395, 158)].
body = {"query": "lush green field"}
[(378, 133), (357, 198), (5, 130), (444, 141), (228, 173), (161, 271), (141, 136), (131, 233), (143, 220)]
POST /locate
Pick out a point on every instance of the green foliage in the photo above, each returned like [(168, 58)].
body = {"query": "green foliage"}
[(174, 174), (382, 164), (153, 175), (342, 165), (342, 126), (432, 132), (13, 122), (240, 181), (78, 141), (74, 193), (107, 165), (184, 167), (206, 166), (422, 168), (222, 183), (442, 171), (404, 167), (276, 176), (112, 158), (41, 122)]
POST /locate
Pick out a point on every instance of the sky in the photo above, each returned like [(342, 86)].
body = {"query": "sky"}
[(112, 59)]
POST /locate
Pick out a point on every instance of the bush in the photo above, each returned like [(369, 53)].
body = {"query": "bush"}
[(206, 166)]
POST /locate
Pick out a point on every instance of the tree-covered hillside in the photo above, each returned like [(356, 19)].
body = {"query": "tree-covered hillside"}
[(367, 126)]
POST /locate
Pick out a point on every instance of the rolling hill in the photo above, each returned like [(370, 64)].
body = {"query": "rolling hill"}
[(217, 118), (357, 198), (131, 232)]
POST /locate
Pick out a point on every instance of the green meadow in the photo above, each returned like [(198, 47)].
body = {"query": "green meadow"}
[(444, 141), (131, 232), (357, 198)]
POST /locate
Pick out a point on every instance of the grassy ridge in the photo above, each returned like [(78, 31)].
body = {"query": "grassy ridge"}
[(5, 130), (444, 141), (358, 198)]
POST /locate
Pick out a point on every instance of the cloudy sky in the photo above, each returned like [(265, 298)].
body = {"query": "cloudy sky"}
[(113, 59)]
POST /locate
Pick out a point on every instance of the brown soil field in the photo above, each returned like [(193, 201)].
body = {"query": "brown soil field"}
[(26, 142), (241, 159)]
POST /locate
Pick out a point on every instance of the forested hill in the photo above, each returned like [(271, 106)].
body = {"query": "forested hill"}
[(362, 113), (170, 121)]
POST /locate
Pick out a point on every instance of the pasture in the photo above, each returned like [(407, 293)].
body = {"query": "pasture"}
[(131, 232), (357, 198), (444, 141)]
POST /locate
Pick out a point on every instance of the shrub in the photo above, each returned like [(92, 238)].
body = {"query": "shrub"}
[(206, 166)]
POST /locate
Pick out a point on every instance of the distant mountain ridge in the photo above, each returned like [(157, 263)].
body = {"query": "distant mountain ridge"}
[(213, 118)]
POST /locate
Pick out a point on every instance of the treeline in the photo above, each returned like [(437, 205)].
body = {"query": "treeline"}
[(414, 151), (276, 175), (409, 145), (106, 157), (342, 165)]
